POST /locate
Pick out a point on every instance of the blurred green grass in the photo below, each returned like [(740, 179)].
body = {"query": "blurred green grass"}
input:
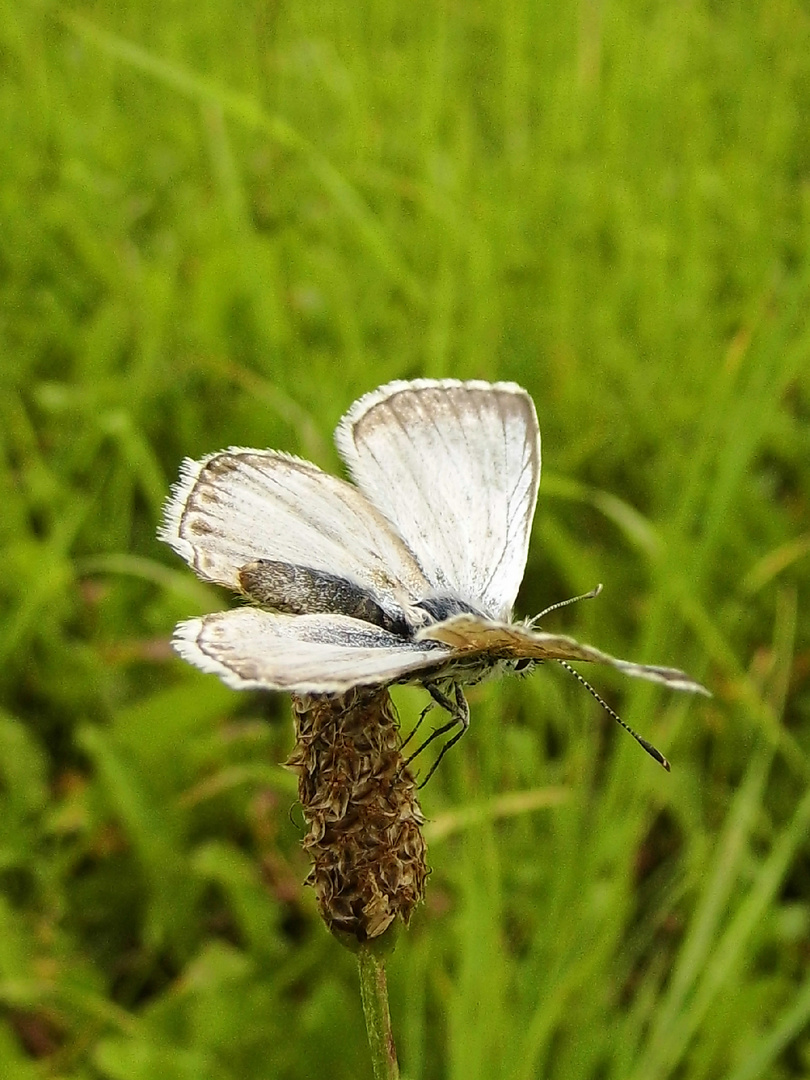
[(221, 222)]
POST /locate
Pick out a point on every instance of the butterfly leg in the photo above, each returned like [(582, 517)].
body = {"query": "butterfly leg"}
[(459, 712), (418, 724), (441, 699)]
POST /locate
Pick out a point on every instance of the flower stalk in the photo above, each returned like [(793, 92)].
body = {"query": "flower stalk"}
[(374, 992)]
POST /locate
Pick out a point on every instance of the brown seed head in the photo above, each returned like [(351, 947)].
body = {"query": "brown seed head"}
[(360, 805)]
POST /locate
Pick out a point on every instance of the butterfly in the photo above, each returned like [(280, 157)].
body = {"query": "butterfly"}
[(407, 575)]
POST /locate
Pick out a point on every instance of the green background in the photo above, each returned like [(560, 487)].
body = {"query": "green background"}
[(220, 222)]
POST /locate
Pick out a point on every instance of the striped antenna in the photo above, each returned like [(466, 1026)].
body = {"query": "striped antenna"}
[(564, 603), (651, 750)]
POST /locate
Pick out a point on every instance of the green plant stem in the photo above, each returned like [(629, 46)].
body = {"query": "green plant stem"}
[(374, 992)]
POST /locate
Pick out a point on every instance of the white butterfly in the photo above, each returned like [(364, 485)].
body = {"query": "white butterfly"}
[(409, 576)]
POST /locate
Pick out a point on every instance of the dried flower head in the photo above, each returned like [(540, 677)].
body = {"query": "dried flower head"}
[(362, 812)]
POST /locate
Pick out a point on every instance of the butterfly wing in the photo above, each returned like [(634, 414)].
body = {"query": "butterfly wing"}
[(467, 634), (307, 654), (238, 506), (455, 467)]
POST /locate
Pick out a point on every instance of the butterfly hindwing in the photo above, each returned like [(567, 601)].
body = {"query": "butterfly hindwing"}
[(239, 506), (306, 654)]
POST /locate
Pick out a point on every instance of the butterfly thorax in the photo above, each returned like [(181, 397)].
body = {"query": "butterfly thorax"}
[(438, 608)]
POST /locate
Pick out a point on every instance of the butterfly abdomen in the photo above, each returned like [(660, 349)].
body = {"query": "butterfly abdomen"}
[(300, 590)]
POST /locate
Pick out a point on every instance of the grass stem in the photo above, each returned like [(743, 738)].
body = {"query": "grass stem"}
[(374, 992)]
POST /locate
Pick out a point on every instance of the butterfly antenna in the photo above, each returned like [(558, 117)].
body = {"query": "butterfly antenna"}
[(564, 603), (651, 750)]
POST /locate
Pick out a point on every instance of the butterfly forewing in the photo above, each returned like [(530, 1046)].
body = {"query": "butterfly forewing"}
[(455, 467), (239, 506), (467, 634)]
